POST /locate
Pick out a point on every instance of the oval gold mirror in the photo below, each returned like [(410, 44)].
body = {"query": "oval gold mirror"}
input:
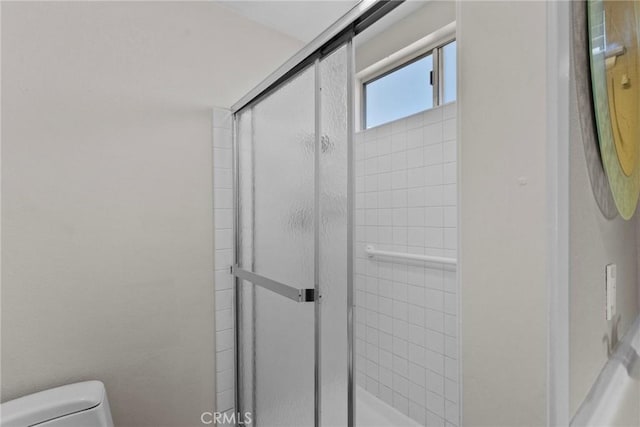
[(615, 76)]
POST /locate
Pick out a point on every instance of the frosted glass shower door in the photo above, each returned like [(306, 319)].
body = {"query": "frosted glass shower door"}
[(276, 185), (292, 268)]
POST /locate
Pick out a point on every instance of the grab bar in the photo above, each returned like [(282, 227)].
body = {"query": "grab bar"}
[(371, 251), (298, 295), (615, 50)]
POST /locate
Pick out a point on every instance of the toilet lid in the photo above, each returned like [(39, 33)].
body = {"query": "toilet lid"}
[(50, 404)]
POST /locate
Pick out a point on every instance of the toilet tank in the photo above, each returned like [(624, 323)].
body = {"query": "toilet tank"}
[(81, 404)]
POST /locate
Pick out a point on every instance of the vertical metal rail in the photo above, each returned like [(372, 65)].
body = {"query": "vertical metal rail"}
[(437, 75), (236, 261), (254, 347), (351, 407), (316, 243)]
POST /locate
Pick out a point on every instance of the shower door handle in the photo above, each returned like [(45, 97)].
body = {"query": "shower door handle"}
[(295, 294)]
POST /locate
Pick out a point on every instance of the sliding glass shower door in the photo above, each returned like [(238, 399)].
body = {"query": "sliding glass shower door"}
[(293, 270)]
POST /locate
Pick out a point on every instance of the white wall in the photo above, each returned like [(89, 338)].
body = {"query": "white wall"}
[(502, 171), (595, 242), (406, 312), (107, 246)]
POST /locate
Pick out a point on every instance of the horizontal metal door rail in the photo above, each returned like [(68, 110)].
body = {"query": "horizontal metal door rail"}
[(356, 20), (371, 251), (298, 295)]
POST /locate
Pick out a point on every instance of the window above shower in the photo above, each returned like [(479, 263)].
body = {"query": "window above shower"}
[(425, 81)]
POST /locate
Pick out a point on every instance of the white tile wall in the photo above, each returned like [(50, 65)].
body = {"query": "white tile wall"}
[(406, 312), (223, 241)]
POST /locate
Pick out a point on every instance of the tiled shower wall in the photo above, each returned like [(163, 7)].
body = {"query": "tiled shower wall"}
[(223, 242), (406, 311)]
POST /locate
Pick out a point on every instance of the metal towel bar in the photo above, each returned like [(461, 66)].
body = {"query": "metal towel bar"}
[(298, 295), (371, 251)]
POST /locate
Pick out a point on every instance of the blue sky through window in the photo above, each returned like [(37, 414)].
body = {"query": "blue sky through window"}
[(449, 70), (401, 93)]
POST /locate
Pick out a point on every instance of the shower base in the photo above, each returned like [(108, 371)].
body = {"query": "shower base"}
[(373, 412)]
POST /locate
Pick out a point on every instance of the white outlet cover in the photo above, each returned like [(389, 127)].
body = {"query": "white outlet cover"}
[(610, 289)]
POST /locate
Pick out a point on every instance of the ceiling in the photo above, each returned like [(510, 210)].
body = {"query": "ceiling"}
[(302, 20)]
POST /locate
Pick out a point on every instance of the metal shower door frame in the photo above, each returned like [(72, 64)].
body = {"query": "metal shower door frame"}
[(340, 34), (305, 294)]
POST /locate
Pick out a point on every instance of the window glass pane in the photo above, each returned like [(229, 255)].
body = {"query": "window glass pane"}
[(400, 93), (449, 72)]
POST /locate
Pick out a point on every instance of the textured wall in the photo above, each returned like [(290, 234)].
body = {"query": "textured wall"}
[(107, 244)]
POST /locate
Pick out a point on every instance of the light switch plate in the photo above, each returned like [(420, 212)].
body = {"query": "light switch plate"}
[(610, 286)]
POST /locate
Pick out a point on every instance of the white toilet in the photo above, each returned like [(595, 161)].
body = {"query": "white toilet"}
[(82, 404)]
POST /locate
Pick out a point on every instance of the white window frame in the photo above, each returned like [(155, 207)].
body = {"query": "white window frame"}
[(432, 43)]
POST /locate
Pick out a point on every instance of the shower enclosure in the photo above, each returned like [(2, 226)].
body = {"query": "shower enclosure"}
[(293, 228), (292, 248)]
